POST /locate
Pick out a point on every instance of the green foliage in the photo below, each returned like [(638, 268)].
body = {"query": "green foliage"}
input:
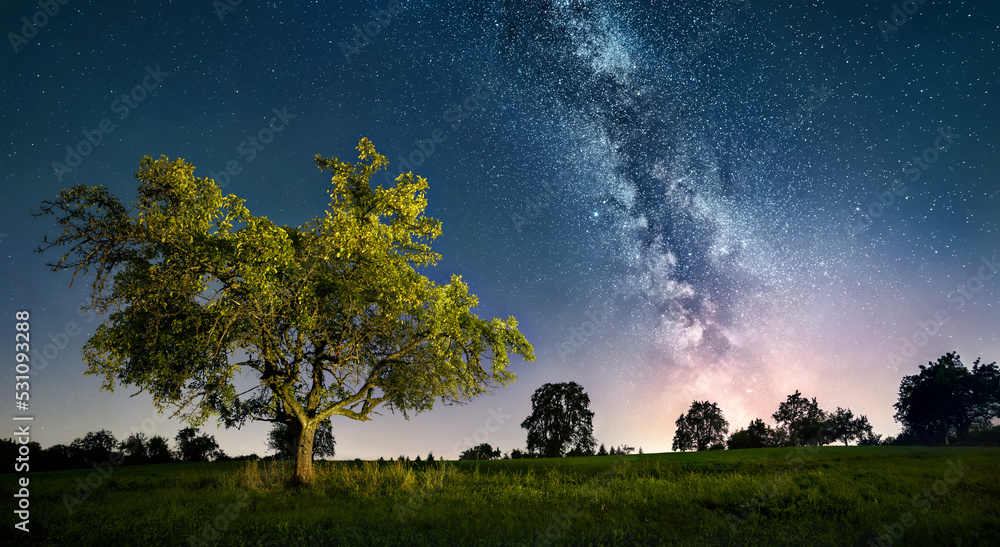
[(702, 428), (946, 399), (560, 420), (331, 317)]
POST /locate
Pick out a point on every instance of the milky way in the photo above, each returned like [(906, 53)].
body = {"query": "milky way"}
[(678, 200)]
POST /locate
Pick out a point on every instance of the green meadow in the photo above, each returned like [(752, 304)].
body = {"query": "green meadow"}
[(777, 496)]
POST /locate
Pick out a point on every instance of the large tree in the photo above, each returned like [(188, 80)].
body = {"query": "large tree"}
[(282, 440), (802, 420), (560, 421), (328, 318), (946, 398), (701, 428)]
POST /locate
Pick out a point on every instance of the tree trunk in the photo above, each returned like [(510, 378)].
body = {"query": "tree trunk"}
[(304, 453)]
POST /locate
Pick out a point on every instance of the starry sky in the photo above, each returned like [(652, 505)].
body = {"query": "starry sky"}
[(723, 200)]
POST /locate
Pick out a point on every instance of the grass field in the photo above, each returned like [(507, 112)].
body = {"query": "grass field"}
[(779, 496)]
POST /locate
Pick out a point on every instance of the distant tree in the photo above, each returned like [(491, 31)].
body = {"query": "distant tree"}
[(135, 448), (518, 454), (331, 317), (984, 435), (61, 456), (193, 447), (802, 419), (625, 449), (843, 426), (96, 447), (640, 450), (602, 451), (417, 459), (702, 426), (756, 435), (283, 439), (947, 399), (381, 459), (560, 420), (481, 452), (870, 439), (158, 450), (430, 457)]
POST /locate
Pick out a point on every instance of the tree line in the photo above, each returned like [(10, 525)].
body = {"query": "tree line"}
[(99, 447), (945, 403)]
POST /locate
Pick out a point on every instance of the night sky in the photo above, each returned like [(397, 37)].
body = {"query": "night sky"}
[(678, 200)]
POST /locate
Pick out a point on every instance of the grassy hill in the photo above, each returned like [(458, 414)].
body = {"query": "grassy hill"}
[(779, 496)]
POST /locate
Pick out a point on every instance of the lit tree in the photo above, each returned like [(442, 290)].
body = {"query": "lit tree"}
[(330, 317)]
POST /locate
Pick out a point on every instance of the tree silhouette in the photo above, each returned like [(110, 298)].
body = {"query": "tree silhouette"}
[(802, 420), (158, 450), (843, 426), (702, 426), (330, 317), (946, 398), (193, 447), (756, 435), (560, 420), (481, 452), (135, 448)]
